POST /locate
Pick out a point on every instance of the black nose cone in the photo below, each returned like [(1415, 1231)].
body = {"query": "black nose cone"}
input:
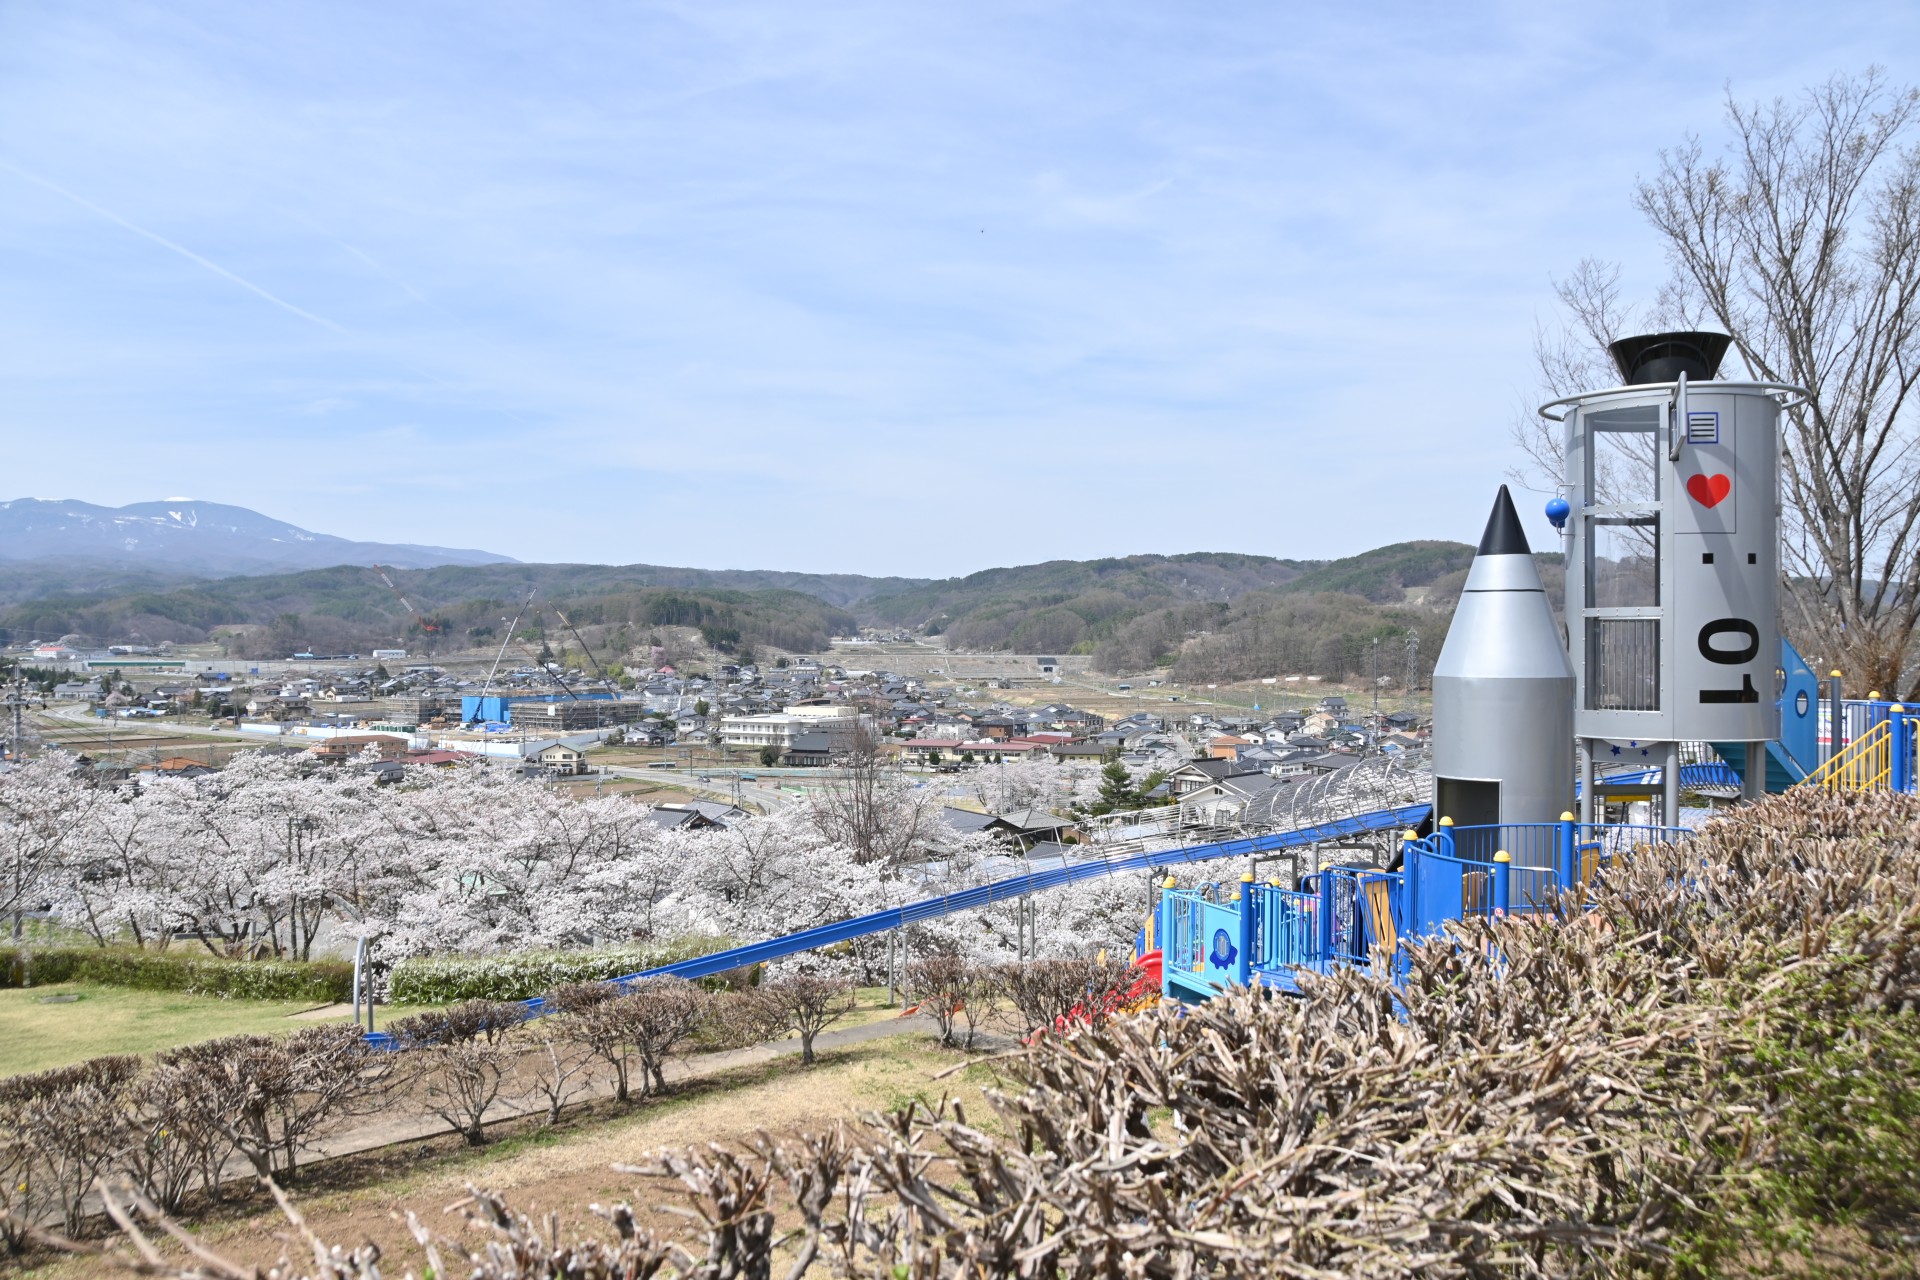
[(1504, 536)]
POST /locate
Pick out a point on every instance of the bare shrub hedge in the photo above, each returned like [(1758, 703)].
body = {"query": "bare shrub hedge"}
[(1722, 1039), (1714, 1057)]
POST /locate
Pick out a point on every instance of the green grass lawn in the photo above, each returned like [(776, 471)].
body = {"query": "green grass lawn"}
[(35, 1036)]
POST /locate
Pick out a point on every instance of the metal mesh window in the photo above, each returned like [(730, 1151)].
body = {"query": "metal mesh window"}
[(1623, 562), (1623, 664)]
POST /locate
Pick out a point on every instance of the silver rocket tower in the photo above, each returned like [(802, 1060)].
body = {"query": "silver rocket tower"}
[(1503, 692)]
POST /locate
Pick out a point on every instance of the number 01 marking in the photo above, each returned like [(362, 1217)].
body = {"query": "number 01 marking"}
[(1747, 651)]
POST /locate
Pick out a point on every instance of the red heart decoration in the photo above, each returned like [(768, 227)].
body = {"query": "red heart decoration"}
[(1709, 491)]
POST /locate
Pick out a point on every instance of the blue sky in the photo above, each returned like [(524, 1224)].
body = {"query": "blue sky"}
[(891, 288)]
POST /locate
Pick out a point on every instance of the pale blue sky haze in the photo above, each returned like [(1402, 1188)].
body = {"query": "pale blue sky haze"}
[(889, 288)]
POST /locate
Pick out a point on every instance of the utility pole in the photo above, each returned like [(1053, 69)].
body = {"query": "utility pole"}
[(1373, 668), (17, 703)]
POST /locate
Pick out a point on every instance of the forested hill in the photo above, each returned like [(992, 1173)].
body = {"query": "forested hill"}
[(1217, 615), (1060, 604), (348, 608)]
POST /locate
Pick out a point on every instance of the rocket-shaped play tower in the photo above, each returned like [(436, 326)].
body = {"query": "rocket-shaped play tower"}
[(1503, 691)]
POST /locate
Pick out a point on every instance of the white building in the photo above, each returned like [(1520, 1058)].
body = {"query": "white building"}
[(781, 728)]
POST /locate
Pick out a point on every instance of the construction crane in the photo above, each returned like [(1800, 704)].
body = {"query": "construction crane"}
[(505, 640), (601, 669), (426, 627), (547, 668)]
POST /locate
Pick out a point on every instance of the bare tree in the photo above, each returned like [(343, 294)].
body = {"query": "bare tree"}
[(868, 806), (952, 993), (585, 1018), (59, 1131), (487, 1021), (649, 1022), (1050, 994), (460, 1082), (805, 1003), (659, 1015), (1803, 243), (271, 1097), (561, 1069), (176, 1146)]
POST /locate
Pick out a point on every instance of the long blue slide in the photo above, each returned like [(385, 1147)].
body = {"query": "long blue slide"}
[(826, 935)]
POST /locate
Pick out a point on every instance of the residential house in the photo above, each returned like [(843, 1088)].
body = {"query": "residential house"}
[(1196, 775), (1035, 826), (808, 751), (351, 746), (966, 821), (1249, 797), (928, 751), (1226, 746), (558, 759)]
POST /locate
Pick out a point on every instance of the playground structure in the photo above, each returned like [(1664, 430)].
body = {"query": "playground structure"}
[(1221, 935), (1664, 680)]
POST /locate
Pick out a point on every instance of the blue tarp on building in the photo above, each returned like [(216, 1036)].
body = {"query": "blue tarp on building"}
[(494, 706)]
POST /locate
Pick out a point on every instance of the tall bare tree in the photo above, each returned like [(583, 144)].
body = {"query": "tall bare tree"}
[(1802, 241), (869, 807)]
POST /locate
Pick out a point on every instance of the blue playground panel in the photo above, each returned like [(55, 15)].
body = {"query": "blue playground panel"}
[(1356, 917)]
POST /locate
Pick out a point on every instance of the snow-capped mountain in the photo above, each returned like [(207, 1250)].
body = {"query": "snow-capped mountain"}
[(198, 537)]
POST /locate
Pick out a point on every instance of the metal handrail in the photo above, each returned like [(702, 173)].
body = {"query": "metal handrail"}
[(1787, 387), (1865, 764)]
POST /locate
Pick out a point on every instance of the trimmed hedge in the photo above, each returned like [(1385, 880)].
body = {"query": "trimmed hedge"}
[(523, 975), (321, 981)]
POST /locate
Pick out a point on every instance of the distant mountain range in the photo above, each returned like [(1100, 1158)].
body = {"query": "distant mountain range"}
[(189, 571), (185, 537)]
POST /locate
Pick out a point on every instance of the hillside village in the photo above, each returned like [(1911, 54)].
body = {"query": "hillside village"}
[(795, 715)]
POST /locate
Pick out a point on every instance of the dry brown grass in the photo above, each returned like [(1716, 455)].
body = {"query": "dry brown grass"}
[(367, 1198)]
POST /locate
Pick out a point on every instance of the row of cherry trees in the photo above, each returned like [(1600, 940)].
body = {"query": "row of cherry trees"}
[(274, 856)]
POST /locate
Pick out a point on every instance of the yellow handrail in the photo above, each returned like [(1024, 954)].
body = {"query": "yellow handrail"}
[(1865, 764)]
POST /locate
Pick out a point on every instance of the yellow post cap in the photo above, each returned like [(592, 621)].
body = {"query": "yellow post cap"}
[(1246, 877), (1875, 694), (1409, 834), (1446, 822), (1502, 856), (1275, 882), (1835, 673), (1566, 815), (1896, 707), (1170, 883)]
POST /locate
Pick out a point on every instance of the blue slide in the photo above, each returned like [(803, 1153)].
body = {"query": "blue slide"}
[(1019, 886)]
